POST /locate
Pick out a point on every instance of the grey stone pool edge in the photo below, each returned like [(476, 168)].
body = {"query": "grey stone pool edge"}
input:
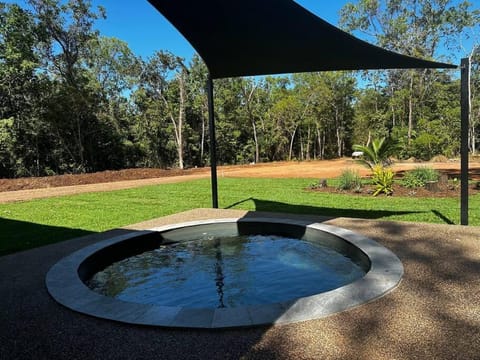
[(66, 287)]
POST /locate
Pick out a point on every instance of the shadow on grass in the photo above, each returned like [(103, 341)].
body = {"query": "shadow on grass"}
[(18, 235), (443, 217), (274, 206)]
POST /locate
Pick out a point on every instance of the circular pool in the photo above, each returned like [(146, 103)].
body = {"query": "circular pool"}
[(225, 273)]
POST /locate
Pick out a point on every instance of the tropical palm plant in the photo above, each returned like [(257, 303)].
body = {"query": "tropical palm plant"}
[(376, 153)]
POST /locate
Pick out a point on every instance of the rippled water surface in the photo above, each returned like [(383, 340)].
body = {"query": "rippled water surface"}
[(227, 272)]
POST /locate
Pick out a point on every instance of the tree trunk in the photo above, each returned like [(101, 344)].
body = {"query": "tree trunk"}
[(178, 125), (255, 139), (474, 140), (202, 141), (204, 118), (431, 186), (248, 102), (80, 147), (392, 92), (338, 134), (291, 144), (393, 117), (301, 147), (410, 112), (307, 151), (37, 157), (321, 143)]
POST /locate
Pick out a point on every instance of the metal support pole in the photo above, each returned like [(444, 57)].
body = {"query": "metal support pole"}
[(213, 142), (465, 115)]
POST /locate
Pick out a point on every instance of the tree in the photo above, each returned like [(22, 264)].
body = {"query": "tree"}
[(113, 74), (371, 115), (157, 76), (327, 111), (151, 131), (315, 95), (198, 100), (342, 85), (421, 28), (234, 140), (252, 103), (287, 113), (275, 142), (18, 59), (21, 89), (474, 121), (113, 67), (67, 30)]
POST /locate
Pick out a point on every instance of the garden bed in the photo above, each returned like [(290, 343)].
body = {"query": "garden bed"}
[(443, 190)]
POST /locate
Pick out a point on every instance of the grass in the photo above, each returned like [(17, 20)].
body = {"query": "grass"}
[(29, 224)]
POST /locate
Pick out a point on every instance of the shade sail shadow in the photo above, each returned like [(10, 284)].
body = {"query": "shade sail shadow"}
[(275, 206), (18, 235), (443, 217)]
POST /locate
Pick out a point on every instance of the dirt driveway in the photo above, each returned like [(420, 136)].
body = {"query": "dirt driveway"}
[(34, 188)]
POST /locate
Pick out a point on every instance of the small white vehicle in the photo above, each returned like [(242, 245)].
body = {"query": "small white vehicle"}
[(357, 154)]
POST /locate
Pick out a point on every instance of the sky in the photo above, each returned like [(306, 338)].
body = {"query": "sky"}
[(146, 30)]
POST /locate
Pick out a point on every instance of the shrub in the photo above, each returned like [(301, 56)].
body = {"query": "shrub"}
[(376, 153), (419, 176), (382, 178), (349, 179), (322, 183), (411, 181)]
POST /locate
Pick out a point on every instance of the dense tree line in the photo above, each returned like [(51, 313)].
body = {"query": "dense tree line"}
[(72, 100)]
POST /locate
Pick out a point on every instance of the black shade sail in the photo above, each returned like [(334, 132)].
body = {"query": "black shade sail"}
[(262, 37), (265, 37)]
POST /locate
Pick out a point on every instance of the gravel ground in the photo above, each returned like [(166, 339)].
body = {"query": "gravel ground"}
[(433, 314)]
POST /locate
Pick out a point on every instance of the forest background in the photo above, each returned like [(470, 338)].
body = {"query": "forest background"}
[(74, 101)]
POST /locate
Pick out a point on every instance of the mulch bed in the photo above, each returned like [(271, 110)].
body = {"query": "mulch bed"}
[(91, 178), (443, 190)]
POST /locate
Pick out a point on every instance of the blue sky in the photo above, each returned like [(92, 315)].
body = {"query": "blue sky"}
[(146, 30)]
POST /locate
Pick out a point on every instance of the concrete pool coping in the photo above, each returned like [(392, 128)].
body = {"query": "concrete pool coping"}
[(433, 314), (66, 286)]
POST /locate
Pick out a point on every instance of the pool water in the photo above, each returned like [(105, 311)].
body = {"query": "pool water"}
[(227, 272)]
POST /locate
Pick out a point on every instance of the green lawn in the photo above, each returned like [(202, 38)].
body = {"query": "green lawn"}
[(25, 225)]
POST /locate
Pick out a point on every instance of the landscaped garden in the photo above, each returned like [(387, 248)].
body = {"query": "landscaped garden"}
[(38, 222)]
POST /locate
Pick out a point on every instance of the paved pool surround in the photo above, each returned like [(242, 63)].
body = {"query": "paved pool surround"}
[(65, 280)]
